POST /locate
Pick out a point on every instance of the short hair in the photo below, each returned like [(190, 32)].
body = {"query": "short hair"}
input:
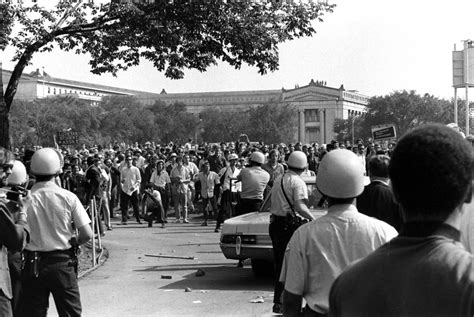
[(378, 166), (6, 155), (431, 172)]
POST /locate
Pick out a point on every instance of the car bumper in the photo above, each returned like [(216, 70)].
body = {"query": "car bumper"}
[(232, 251)]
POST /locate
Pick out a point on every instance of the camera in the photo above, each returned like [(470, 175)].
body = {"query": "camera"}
[(15, 192)]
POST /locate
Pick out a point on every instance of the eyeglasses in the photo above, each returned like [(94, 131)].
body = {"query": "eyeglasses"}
[(6, 166)]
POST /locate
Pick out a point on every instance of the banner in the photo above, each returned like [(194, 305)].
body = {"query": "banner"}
[(67, 138), (384, 132)]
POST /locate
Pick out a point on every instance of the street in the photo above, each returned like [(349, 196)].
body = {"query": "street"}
[(132, 284)]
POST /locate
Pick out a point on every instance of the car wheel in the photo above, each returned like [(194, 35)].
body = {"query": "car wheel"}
[(262, 268)]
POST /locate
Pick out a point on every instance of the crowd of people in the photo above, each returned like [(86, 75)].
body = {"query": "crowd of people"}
[(403, 230)]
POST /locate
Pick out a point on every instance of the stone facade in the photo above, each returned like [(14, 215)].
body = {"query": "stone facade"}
[(316, 104)]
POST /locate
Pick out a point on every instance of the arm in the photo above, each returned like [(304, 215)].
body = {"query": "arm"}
[(85, 234), (13, 235), (302, 208), (291, 304)]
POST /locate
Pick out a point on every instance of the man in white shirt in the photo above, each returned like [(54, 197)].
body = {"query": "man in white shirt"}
[(208, 180), (130, 179)]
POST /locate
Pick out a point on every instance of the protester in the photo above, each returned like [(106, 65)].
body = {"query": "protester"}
[(228, 176), (425, 271), (377, 199), (13, 234), (130, 179), (180, 177), (208, 180)]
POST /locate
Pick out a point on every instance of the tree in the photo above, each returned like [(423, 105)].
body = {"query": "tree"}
[(173, 35), (406, 110)]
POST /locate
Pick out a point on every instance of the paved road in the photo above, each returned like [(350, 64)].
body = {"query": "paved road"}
[(131, 284)]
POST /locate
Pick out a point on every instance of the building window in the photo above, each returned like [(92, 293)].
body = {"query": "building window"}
[(311, 115), (49, 90), (54, 91)]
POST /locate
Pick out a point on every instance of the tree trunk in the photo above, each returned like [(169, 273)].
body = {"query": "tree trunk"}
[(4, 122)]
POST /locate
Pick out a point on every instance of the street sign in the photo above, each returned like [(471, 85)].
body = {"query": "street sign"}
[(67, 138), (384, 132)]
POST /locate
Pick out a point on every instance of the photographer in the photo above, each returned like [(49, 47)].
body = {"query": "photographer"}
[(12, 235)]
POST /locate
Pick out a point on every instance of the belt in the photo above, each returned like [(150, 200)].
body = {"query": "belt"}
[(51, 254), (275, 218)]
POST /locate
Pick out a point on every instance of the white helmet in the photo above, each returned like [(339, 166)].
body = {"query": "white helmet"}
[(340, 174), (297, 159), (233, 156), (18, 175), (257, 157), (45, 161)]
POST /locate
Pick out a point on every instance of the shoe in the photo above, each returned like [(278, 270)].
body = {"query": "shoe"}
[(124, 223), (139, 222), (162, 225), (240, 264), (217, 230), (177, 221), (276, 308), (166, 221), (185, 221), (150, 224), (109, 228), (204, 224)]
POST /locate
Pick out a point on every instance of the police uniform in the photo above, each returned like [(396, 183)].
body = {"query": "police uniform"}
[(51, 264), (295, 189)]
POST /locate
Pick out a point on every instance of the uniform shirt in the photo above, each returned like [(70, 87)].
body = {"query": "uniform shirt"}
[(295, 189), (254, 180), (319, 251), (50, 217), (208, 182), (131, 179), (160, 179), (422, 272)]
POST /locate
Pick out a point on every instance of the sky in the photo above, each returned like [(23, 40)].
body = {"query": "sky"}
[(372, 46)]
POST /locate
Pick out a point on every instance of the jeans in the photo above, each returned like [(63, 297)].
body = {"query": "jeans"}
[(180, 200), (213, 203), (124, 200), (5, 306)]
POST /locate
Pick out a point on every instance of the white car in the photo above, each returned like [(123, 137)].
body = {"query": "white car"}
[(246, 236)]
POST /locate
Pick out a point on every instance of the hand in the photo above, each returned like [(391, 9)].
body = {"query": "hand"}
[(24, 201)]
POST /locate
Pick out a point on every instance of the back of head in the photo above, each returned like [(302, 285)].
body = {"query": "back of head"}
[(257, 157), (18, 176), (45, 162), (340, 175), (297, 160), (431, 172), (378, 166)]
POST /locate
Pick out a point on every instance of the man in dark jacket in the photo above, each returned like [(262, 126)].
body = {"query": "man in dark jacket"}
[(377, 199)]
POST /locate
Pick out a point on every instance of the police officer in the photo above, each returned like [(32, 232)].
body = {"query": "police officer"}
[(254, 180), (50, 258), (281, 212)]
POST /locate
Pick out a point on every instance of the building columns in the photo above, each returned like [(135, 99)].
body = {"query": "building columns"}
[(322, 126), (301, 126)]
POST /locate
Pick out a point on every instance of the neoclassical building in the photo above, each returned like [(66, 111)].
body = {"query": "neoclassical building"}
[(316, 104)]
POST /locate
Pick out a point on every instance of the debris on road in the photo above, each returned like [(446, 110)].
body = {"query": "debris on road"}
[(197, 302), (171, 256), (257, 300), (203, 291), (200, 272), (166, 277)]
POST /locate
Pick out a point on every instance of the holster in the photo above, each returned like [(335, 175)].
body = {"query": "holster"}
[(31, 264)]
